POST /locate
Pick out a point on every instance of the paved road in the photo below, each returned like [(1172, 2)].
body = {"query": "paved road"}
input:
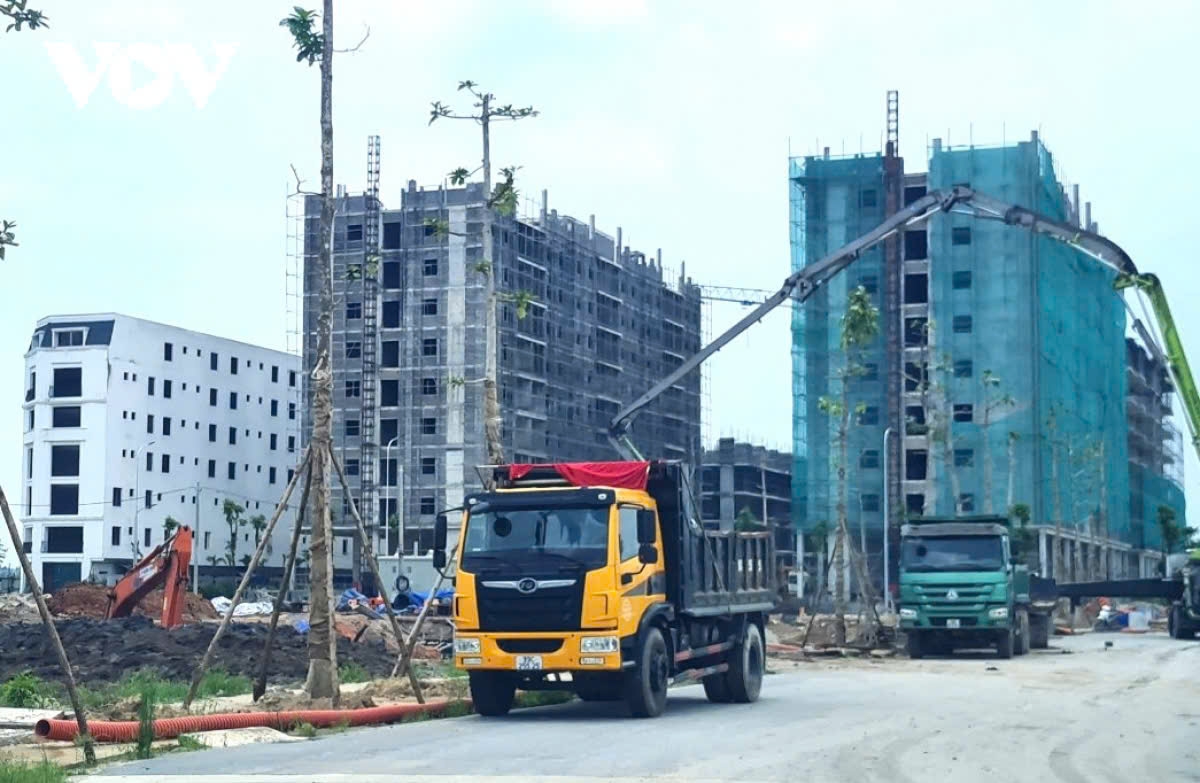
[(1072, 714)]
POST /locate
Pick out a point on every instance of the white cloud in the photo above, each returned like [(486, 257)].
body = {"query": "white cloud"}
[(599, 12)]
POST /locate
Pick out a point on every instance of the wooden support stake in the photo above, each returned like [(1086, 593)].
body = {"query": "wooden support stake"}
[(260, 684), (406, 649), (237, 596), (369, 552), (89, 750)]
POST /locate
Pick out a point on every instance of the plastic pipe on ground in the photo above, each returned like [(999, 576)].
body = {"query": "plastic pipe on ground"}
[(168, 728)]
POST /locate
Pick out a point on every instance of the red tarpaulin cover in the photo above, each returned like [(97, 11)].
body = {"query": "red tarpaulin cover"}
[(622, 475)]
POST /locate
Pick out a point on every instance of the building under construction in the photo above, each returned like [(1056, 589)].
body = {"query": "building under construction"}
[(999, 374), (586, 325)]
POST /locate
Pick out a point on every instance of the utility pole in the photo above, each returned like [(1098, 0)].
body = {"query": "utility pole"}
[(887, 513)]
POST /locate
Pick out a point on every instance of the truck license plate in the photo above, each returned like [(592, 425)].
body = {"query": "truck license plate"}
[(527, 663), (952, 622)]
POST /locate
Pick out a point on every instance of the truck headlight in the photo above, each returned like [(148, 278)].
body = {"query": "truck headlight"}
[(999, 613), (466, 645), (598, 644), (908, 614)]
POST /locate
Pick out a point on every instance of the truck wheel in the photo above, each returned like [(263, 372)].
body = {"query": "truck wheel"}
[(914, 645), (492, 693), (1023, 638), (1039, 631), (1177, 624), (746, 663), (716, 688), (646, 684), (598, 688), (1004, 645)]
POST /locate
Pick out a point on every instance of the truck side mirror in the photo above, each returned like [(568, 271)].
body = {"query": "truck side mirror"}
[(439, 559), (647, 523), (647, 554), (439, 542)]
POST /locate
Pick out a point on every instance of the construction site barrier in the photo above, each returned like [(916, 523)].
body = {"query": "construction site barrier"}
[(169, 728)]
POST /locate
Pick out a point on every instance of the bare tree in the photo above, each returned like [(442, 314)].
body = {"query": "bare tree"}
[(993, 400), (322, 680), (860, 325), (504, 200), (1010, 497)]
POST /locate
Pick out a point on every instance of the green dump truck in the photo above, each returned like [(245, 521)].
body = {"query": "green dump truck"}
[(961, 587)]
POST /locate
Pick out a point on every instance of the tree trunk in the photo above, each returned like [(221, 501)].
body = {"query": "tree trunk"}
[(1010, 496), (1056, 497), (322, 679), (839, 543), (988, 506), (491, 393)]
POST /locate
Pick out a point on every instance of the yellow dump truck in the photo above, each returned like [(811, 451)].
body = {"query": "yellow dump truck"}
[(600, 578)]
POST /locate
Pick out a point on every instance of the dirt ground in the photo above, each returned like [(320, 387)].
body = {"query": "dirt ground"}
[(87, 600)]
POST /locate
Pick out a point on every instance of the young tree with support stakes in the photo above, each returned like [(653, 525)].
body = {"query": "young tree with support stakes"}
[(860, 326), (504, 200), (994, 400)]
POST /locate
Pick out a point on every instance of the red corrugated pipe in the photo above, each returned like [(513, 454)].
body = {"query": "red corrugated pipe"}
[(167, 728)]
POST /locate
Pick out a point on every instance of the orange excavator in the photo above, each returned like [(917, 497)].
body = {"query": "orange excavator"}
[(166, 567)]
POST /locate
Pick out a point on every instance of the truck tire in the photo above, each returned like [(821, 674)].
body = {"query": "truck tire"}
[(599, 688), (1023, 632), (492, 693), (746, 663), (1004, 645), (1177, 624), (716, 689), (1039, 631), (914, 645), (646, 684)]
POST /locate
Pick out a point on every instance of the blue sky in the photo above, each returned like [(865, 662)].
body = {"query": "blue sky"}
[(671, 119)]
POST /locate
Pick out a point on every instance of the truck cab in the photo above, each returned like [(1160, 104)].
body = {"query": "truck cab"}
[(598, 578), (961, 587)]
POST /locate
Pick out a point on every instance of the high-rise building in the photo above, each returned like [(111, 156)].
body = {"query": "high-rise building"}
[(586, 325), (738, 478), (1000, 365), (130, 422)]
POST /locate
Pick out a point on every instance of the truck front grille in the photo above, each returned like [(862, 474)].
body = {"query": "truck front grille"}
[(530, 645), (549, 609)]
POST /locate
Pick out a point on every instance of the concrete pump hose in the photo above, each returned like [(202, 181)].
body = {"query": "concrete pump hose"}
[(168, 728)]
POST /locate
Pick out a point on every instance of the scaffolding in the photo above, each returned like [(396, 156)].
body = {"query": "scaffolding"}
[(370, 336)]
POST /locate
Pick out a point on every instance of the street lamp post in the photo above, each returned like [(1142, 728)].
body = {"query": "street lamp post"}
[(387, 521), (137, 485), (887, 506)]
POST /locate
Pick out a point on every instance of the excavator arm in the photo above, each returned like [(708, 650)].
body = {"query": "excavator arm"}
[(801, 284), (166, 567)]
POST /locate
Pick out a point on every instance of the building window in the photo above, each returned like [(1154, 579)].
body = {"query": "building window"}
[(966, 501), (869, 416), (390, 353), (68, 382), (291, 444), (389, 393), (212, 360), (274, 407), (353, 427), (352, 467), (212, 397), (960, 235), (354, 232), (962, 324), (149, 461), (166, 463), (964, 368), (429, 307), (353, 389), (149, 423), (64, 460), (391, 315), (29, 420), (66, 416), (274, 373), (431, 267), (167, 351), (150, 386), (233, 401), (868, 198), (428, 426), (961, 280), (964, 458), (428, 505), (428, 386), (388, 429), (429, 346), (391, 274), (353, 311), (274, 441), (64, 500), (116, 497), (115, 536), (232, 471), (166, 425), (148, 499), (212, 468), (167, 387), (292, 378), (354, 350), (870, 502), (233, 365), (292, 410), (270, 475), (233, 436), (68, 338), (964, 412), (391, 235), (428, 466), (212, 433), (146, 537), (869, 459)]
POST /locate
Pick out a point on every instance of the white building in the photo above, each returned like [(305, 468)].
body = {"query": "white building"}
[(129, 422)]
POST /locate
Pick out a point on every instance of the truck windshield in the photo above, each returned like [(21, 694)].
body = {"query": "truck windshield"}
[(579, 534), (952, 553)]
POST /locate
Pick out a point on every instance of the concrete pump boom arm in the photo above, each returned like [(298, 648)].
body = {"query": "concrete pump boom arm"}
[(801, 284)]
